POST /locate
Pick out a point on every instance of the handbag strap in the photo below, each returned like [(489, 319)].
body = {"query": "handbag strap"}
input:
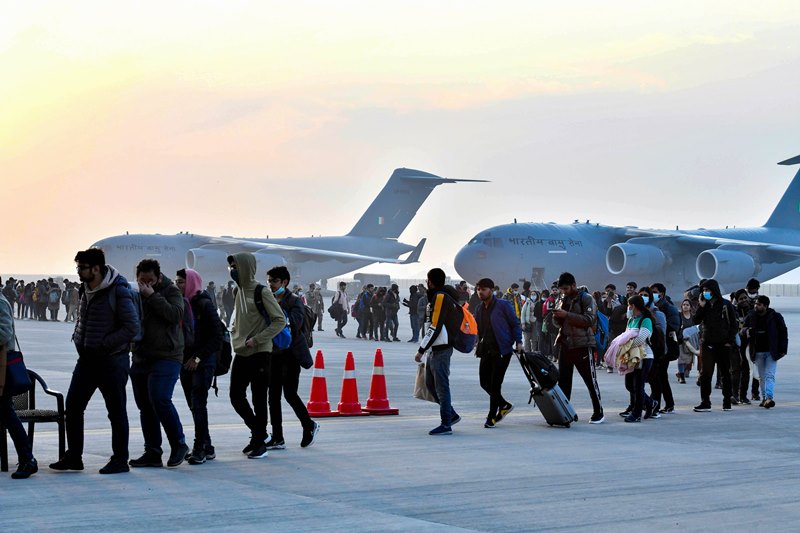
[(19, 349)]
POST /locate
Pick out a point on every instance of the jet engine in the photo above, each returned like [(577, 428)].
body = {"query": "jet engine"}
[(206, 260), (726, 265), (634, 259)]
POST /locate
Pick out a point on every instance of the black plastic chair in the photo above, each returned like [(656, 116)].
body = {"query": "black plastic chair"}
[(25, 406)]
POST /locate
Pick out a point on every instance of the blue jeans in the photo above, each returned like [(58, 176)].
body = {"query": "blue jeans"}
[(153, 384), (414, 327), (634, 382), (437, 379), (766, 372), (109, 373), (12, 423), (195, 387)]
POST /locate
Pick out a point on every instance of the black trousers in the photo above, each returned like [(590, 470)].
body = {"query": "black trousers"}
[(251, 371), (492, 372), (582, 360), (715, 355), (659, 383), (284, 377)]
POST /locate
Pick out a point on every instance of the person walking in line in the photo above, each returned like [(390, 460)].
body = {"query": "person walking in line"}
[(769, 342), (157, 362), (199, 359), (108, 321), (251, 340)]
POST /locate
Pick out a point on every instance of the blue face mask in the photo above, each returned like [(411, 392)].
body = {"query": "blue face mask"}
[(630, 313), (646, 300), (656, 297), (235, 276), (280, 291), (707, 295)]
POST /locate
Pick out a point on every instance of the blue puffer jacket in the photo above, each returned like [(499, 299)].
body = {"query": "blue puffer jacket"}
[(101, 330), (505, 324)]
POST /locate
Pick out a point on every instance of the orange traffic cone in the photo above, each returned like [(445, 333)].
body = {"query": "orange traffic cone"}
[(318, 404), (378, 402), (349, 406)]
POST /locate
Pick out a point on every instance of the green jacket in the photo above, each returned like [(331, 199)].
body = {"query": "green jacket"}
[(162, 333), (248, 322)]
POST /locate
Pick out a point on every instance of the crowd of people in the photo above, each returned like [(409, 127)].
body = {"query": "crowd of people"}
[(178, 330), (738, 339)]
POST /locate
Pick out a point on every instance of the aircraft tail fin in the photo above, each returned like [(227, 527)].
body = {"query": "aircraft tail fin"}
[(787, 212), (397, 203), (413, 257)]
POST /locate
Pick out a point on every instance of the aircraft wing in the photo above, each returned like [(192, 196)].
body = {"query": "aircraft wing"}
[(302, 253), (667, 239)]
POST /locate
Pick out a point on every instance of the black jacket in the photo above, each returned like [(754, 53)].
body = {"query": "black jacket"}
[(295, 309), (776, 331), (102, 330), (162, 335), (207, 329)]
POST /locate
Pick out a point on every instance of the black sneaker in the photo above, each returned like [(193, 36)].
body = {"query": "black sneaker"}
[(197, 457), (726, 406), (26, 469), (744, 401), (178, 455), (704, 407), (769, 403), (652, 411), (628, 410), (735, 401), (756, 398), (309, 436), (631, 418), (115, 466), (273, 444), (258, 452), (211, 453), (504, 412), (667, 411), (489, 424), (252, 444), (597, 418), (148, 459), (455, 420), (441, 430), (67, 463)]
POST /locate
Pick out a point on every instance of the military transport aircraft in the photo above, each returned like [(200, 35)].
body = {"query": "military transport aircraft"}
[(598, 254), (372, 240)]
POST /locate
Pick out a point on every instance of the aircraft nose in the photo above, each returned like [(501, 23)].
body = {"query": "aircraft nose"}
[(465, 262)]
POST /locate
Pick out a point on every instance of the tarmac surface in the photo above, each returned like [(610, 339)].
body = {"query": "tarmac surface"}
[(718, 471)]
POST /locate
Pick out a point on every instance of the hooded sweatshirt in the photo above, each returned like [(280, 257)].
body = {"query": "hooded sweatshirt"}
[(248, 322), (162, 333), (718, 317)]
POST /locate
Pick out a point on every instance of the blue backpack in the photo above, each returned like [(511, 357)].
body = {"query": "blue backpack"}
[(283, 340), (601, 335)]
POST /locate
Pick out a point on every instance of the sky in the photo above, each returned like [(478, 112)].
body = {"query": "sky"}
[(287, 118)]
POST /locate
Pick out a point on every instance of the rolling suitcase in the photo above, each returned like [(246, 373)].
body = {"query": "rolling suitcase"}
[(552, 403)]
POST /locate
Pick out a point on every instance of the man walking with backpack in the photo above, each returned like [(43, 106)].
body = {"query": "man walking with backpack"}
[(498, 329), (106, 325), (575, 316), (284, 365), (437, 342), (251, 339)]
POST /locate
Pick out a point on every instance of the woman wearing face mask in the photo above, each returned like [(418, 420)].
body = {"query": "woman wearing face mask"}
[(639, 317), (690, 345)]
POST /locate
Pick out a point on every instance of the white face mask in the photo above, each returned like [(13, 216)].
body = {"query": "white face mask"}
[(630, 313)]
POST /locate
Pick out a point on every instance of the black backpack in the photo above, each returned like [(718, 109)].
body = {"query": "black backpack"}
[(543, 369), (656, 341), (225, 352), (308, 325)]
